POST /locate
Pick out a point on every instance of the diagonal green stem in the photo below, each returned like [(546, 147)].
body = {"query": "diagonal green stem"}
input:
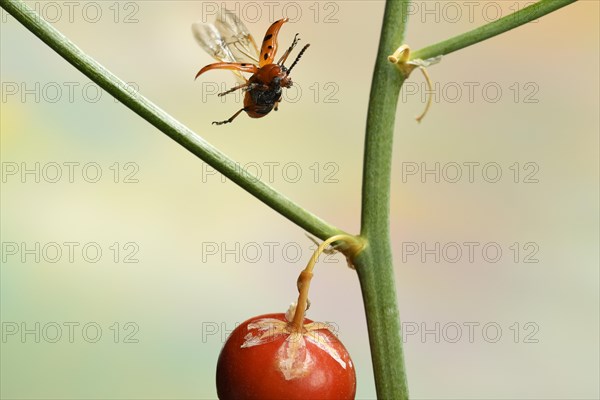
[(374, 265), (518, 18), (165, 123)]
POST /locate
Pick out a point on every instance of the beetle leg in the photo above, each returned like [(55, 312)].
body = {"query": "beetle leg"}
[(233, 89), (246, 86), (227, 121), (288, 51)]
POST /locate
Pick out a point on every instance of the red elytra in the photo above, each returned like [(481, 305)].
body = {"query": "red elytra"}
[(264, 359)]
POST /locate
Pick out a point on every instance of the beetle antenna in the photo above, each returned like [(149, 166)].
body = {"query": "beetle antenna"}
[(297, 58)]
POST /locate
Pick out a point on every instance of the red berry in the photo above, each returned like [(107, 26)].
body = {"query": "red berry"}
[(267, 358)]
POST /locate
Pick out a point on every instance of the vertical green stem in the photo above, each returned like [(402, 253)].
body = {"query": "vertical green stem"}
[(374, 265)]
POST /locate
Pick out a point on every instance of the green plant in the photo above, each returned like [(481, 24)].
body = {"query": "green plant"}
[(374, 265)]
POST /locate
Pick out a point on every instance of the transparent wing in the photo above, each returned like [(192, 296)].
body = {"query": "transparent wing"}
[(237, 37), (227, 40), (210, 39)]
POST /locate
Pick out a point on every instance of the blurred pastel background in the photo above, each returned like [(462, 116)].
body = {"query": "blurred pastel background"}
[(185, 256)]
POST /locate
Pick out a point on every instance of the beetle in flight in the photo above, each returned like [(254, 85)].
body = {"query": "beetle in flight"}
[(229, 42)]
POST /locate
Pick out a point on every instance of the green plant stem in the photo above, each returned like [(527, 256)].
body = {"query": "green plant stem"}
[(374, 265), (165, 123), (518, 18)]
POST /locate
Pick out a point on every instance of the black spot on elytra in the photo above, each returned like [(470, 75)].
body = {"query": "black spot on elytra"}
[(267, 37), (266, 56), (269, 47)]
